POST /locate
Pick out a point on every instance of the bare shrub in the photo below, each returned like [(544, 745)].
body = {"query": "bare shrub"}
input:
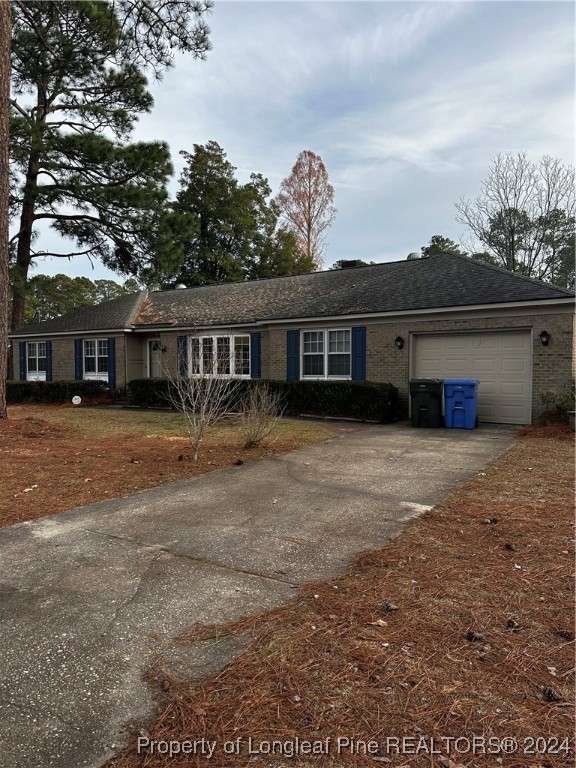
[(204, 400), (260, 411), (558, 405)]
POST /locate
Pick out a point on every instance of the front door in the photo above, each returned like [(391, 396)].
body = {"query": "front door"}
[(155, 359)]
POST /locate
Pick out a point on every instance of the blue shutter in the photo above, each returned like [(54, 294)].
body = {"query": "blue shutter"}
[(359, 353), (112, 363), (78, 346), (48, 361), (255, 355), (182, 342), (293, 355), (22, 351)]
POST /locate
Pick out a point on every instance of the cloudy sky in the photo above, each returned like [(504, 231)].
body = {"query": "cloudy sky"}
[(406, 103)]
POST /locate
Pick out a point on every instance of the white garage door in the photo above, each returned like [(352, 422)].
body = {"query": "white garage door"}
[(501, 361)]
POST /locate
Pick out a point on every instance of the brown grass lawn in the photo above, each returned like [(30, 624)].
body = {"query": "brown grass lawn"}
[(54, 458), (460, 629)]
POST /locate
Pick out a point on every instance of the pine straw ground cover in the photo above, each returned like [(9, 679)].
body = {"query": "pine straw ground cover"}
[(462, 627), (55, 458)]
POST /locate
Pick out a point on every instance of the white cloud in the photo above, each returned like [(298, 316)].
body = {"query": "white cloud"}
[(406, 27), (405, 102), (452, 121)]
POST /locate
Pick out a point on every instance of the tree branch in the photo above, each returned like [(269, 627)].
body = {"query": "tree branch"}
[(20, 109), (66, 217), (30, 19), (65, 255)]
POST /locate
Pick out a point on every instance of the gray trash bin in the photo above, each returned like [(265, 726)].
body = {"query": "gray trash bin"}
[(426, 402)]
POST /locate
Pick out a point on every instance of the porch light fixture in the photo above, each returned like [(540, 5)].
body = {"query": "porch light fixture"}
[(399, 342), (544, 338)]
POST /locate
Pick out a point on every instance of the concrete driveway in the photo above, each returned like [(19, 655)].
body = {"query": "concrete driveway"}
[(89, 597)]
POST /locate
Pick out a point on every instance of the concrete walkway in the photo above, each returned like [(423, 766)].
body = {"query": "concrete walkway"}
[(89, 597)]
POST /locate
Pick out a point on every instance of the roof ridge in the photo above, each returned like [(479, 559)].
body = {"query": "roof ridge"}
[(139, 299), (346, 270), (462, 256)]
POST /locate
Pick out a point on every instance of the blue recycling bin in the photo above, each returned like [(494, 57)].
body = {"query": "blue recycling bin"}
[(460, 396)]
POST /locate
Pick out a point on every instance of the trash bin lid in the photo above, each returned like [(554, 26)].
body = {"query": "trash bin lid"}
[(426, 381), (462, 381)]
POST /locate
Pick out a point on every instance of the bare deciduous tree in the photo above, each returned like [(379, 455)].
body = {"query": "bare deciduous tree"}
[(306, 204), (525, 216), (204, 398), (5, 33), (261, 410)]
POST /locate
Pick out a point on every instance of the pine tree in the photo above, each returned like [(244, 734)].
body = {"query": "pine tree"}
[(5, 20), (228, 231), (78, 88)]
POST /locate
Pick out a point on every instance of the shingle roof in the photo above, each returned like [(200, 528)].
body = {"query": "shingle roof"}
[(110, 315), (446, 280)]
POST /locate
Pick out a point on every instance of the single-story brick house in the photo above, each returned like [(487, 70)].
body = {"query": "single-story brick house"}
[(443, 316)]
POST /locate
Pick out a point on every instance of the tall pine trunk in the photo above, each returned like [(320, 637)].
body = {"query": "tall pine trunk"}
[(27, 218), (5, 38), (23, 252)]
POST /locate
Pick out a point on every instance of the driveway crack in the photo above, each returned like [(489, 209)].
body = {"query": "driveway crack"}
[(194, 558), (117, 537), (126, 603), (223, 566)]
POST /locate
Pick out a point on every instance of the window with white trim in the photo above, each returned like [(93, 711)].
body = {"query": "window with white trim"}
[(96, 359), (36, 361), (219, 355), (326, 354)]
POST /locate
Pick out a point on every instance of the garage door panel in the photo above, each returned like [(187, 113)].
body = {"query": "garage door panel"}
[(501, 362), (513, 389), (511, 413), (456, 344), (455, 363), (482, 365), (486, 412), (486, 343), (489, 388), (520, 342), (513, 365), (430, 362)]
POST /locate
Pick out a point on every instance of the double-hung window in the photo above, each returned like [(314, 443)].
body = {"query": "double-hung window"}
[(326, 354), (36, 361), (313, 353), (219, 356), (96, 359)]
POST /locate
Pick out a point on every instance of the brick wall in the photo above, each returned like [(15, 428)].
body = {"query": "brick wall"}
[(170, 357), (553, 366), (120, 360), (274, 367), (63, 359), (63, 356)]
